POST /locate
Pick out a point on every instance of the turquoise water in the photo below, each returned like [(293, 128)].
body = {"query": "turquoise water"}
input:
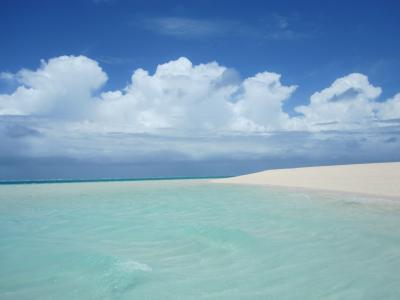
[(194, 240)]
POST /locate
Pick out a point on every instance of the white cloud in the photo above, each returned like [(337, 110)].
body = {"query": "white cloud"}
[(183, 97), (61, 87), (259, 106), (178, 95), (205, 97), (350, 102), (196, 111), (390, 109)]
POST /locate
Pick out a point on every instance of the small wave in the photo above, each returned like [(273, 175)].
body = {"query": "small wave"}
[(131, 266)]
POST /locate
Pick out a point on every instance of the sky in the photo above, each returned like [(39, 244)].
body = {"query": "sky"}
[(132, 89)]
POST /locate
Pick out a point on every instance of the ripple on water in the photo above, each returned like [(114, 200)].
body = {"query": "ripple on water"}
[(182, 240)]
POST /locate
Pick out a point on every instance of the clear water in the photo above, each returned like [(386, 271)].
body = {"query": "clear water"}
[(194, 240)]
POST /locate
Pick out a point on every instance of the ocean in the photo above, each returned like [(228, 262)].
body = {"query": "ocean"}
[(191, 239)]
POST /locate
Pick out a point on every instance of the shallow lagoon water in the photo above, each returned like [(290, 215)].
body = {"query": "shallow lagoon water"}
[(194, 240)]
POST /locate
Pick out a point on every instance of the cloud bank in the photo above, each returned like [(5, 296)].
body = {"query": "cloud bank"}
[(186, 111), (182, 96)]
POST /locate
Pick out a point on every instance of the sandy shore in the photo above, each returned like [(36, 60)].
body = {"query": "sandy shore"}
[(378, 179)]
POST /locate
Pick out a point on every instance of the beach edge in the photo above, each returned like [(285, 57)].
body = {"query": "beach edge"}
[(371, 179)]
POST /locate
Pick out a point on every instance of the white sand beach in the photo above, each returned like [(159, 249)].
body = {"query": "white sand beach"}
[(377, 179)]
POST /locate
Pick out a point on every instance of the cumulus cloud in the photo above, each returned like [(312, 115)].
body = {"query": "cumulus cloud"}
[(183, 97), (259, 106), (206, 97), (193, 111), (390, 109), (177, 96), (61, 87), (349, 103)]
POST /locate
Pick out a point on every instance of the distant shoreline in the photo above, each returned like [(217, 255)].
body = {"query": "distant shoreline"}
[(46, 181), (373, 179)]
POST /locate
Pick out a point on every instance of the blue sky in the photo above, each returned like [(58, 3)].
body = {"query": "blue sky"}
[(309, 44)]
